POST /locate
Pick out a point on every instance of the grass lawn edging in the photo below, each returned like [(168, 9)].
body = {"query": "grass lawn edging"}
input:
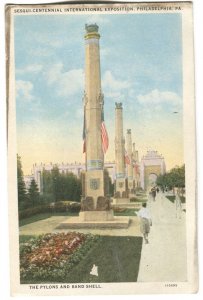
[(172, 198), (117, 259)]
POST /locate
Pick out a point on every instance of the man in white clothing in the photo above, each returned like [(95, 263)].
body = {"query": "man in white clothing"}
[(145, 221)]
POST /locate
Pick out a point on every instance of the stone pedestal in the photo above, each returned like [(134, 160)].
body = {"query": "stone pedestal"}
[(117, 201), (76, 222), (96, 215), (120, 186)]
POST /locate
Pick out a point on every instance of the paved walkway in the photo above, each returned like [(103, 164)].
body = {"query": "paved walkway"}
[(164, 258)]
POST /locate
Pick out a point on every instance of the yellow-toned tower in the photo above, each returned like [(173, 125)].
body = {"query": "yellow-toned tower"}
[(95, 204), (119, 152), (93, 101), (129, 166)]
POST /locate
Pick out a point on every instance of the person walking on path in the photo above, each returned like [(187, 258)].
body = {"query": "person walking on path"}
[(153, 191), (145, 221), (178, 205)]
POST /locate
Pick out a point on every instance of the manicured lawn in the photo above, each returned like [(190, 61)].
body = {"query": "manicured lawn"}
[(138, 199), (127, 212), (26, 238), (172, 199), (140, 194), (34, 218), (43, 216), (117, 259)]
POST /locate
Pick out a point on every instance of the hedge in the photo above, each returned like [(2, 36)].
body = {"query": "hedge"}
[(61, 206)]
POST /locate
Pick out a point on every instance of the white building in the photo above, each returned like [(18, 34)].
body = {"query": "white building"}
[(75, 168), (27, 180), (151, 166)]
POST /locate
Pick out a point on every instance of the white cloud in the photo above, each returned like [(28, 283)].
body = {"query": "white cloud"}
[(51, 40), (116, 95), (41, 51), (55, 43), (66, 83), (34, 69), (104, 52), (53, 73), (71, 82), (158, 97), (24, 90), (109, 82)]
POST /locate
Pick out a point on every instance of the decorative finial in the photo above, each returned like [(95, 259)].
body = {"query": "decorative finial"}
[(118, 105), (91, 28)]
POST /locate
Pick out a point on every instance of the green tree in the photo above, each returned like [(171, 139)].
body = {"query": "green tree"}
[(178, 175), (22, 193), (60, 186), (72, 187), (56, 183), (33, 193), (111, 187), (162, 181), (174, 178), (47, 186)]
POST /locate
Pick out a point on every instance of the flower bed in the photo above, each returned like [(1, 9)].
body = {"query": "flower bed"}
[(49, 257)]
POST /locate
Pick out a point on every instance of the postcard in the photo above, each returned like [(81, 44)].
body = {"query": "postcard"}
[(101, 148)]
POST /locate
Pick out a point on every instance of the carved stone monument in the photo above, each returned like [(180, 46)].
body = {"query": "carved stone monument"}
[(136, 171), (95, 203), (131, 190), (121, 193), (93, 109)]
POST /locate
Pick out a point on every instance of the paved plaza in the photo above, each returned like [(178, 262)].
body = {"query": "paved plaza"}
[(50, 224), (163, 259)]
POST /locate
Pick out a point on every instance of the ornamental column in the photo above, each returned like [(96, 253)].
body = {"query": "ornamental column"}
[(135, 167), (93, 108), (129, 166), (119, 152)]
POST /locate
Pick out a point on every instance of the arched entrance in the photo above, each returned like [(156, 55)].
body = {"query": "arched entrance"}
[(152, 179), (151, 174), (152, 165)]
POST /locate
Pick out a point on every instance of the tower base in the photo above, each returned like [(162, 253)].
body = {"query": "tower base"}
[(92, 216), (95, 219), (121, 201)]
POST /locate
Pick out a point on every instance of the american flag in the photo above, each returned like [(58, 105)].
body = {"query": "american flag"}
[(104, 135), (127, 158), (135, 166)]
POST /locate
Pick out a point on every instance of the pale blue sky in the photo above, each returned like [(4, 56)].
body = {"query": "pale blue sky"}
[(141, 66)]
